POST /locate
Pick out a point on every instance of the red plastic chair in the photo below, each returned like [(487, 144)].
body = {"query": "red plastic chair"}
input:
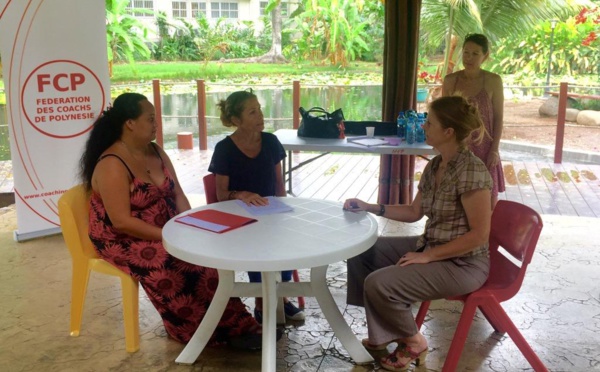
[(516, 228), (210, 190)]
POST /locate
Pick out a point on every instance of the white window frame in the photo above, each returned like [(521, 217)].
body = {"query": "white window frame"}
[(285, 8), (200, 8), (141, 4), (217, 8), (179, 9)]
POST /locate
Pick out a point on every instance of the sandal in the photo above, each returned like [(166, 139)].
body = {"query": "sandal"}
[(369, 346), (392, 362)]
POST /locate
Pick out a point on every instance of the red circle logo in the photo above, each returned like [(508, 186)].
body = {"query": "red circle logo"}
[(62, 99)]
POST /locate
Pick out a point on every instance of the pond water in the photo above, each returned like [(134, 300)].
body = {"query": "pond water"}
[(180, 111)]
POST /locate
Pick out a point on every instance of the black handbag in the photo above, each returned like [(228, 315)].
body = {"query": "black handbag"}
[(318, 123)]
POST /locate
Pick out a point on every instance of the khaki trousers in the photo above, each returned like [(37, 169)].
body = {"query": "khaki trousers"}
[(388, 291)]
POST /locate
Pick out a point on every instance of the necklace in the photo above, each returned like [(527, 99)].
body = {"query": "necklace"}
[(145, 163)]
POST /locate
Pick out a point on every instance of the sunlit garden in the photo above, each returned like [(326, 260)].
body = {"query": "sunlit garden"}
[(535, 46)]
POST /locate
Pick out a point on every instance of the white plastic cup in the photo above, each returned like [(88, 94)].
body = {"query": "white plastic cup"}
[(370, 131)]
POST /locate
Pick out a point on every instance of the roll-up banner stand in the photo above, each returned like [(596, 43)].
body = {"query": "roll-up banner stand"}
[(55, 72)]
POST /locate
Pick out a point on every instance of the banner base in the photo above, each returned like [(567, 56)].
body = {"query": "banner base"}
[(35, 234)]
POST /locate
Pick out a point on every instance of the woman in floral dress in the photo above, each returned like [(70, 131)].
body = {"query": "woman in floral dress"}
[(134, 192)]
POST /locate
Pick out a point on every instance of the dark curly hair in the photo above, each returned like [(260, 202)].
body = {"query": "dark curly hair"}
[(107, 129)]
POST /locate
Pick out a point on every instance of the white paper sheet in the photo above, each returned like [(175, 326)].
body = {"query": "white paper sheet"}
[(275, 206), (368, 141)]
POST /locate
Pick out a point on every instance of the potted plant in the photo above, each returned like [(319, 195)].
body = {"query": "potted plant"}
[(423, 79)]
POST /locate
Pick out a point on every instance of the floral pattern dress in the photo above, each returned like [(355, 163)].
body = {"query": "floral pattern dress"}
[(486, 110), (483, 149), (180, 291)]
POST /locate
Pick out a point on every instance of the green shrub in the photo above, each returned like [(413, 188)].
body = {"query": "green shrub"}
[(587, 104), (527, 57)]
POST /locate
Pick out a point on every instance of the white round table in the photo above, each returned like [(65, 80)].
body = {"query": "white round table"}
[(315, 234)]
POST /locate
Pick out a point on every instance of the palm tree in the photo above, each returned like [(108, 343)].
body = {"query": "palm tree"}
[(440, 19), (333, 29), (125, 35), (275, 54)]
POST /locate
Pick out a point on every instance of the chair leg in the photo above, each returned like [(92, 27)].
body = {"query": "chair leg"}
[(297, 279), (460, 337), (80, 277), (518, 339), (131, 300), (492, 317), (280, 318), (422, 313)]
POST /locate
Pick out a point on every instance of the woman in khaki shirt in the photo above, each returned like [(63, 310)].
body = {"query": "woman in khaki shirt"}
[(451, 256)]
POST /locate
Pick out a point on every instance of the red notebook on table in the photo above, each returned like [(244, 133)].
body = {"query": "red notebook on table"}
[(215, 221)]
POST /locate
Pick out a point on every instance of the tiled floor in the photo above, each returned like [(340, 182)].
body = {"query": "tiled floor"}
[(557, 309)]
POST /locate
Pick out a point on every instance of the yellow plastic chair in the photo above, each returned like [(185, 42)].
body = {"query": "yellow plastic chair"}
[(73, 210)]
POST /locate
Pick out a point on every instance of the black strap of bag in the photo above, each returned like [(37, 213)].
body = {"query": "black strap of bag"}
[(318, 123)]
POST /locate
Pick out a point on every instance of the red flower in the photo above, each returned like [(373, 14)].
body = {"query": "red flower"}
[(425, 77), (581, 17), (167, 284), (589, 39)]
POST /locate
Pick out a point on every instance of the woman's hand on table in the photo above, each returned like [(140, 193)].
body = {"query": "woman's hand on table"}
[(251, 198), (355, 205)]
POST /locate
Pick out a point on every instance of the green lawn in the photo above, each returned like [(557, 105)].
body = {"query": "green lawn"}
[(246, 73)]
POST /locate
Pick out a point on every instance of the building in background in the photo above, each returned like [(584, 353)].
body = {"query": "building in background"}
[(235, 11)]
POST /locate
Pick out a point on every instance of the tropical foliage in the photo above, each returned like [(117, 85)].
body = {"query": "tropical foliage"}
[(331, 30), (495, 18), (176, 41), (200, 40), (529, 55), (126, 36), (340, 32), (592, 18)]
